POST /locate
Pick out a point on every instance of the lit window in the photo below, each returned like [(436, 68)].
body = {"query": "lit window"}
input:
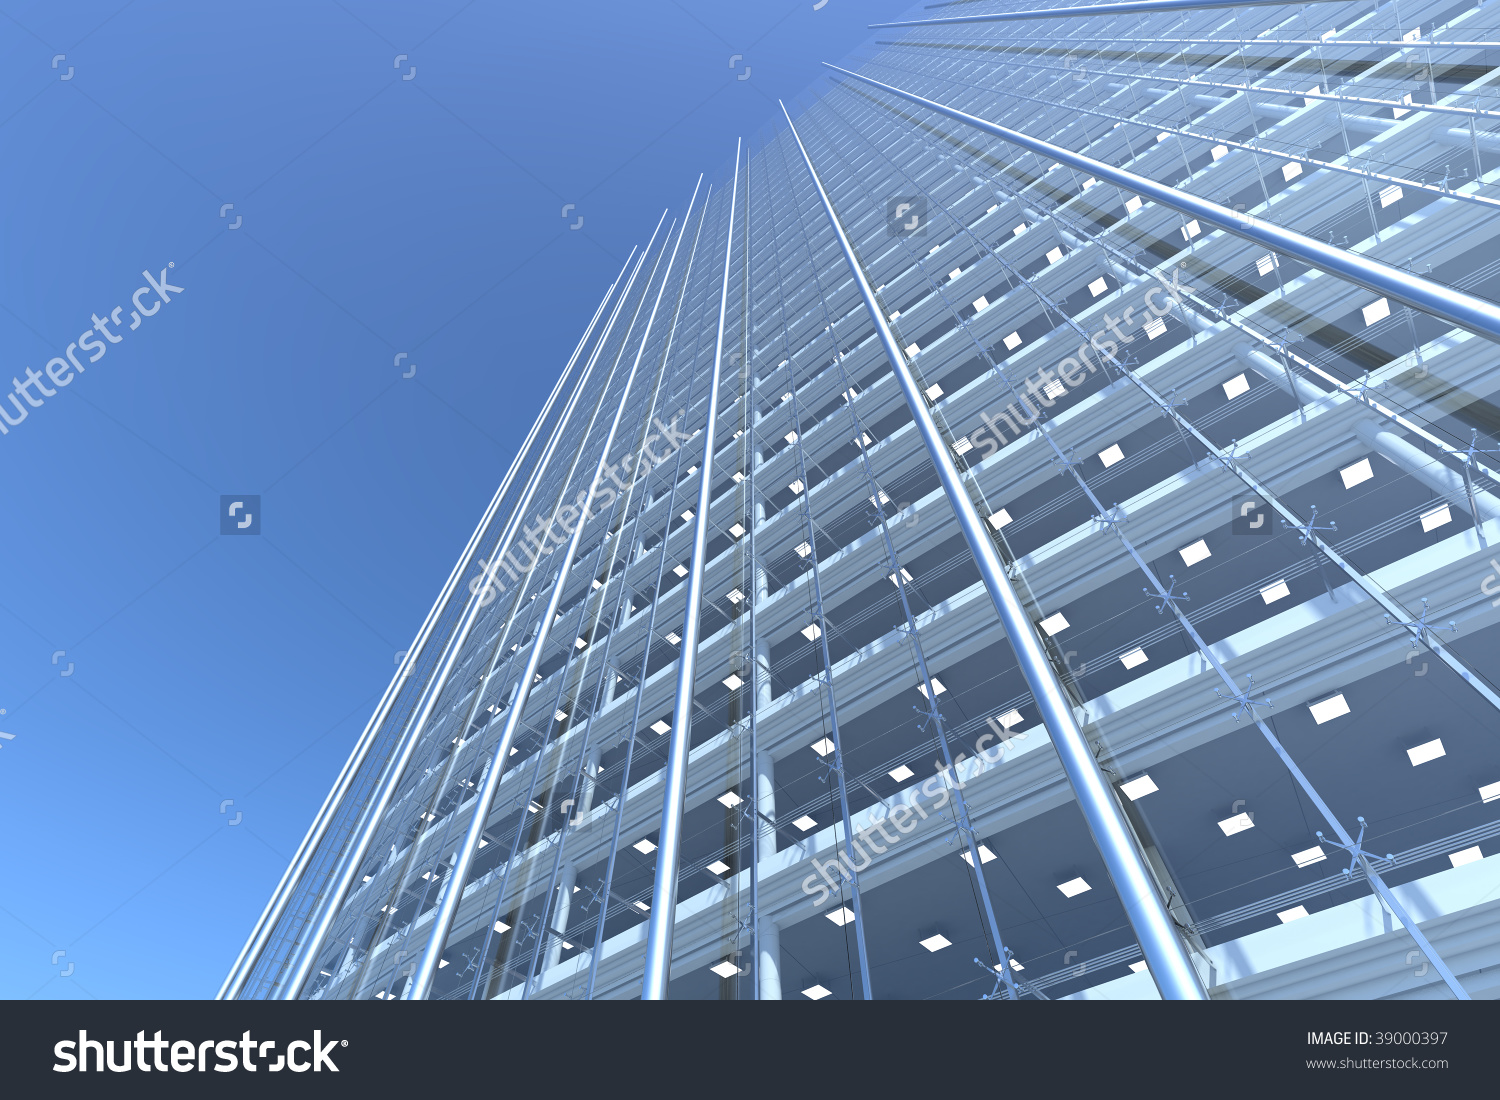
[(1098, 286), (1296, 912), (999, 519), (841, 916), (901, 774), (936, 942), (1328, 709), (805, 823), (1428, 750), (1273, 592), (1239, 823), (1376, 311), (1136, 656), (1073, 887), (1111, 454), (1012, 342), (1054, 624), (1235, 386), (1308, 856), (823, 747), (1192, 555), (1436, 518), (1468, 855), (1139, 787)]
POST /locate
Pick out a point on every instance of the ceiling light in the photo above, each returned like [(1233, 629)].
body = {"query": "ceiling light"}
[(734, 595), (937, 687), (1054, 624), (501, 927), (1273, 592), (442, 963), (805, 823), (999, 519), (955, 273), (895, 315), (598, 584), (1236, 386), (992, 209), (1376, 311), (1308, 856), (1488, 793), (660, 726), (719, 867), (803, 549), (692, 470), (1073, 887), (796, 486), (1098, 286), (1291, 171), (580, 642), (883, 498), (790, 437), (981, 303), (1010, 718), (812, 632), (1137, 966), (1265, 265), (817, 992), (905, 576), (1191, 230), (1468, 855), (680, 569), (1161, 137), (1428, 750), (985, 855), (1136, 656), (1237, 824), (841, 916), (912, 351), (1111, 454), (644, 846), (736, 530), (1436, 518), (1357, 473), (737, 477), (1328, 709), (643, 907), (733, 682), (786, 397), (936, 942), (1139, 787), (934, 391), (1192, 555), (725, 969), (1054, 255), (687, 515), (1132, 204), (864, 437), (1296, 912), (901, 773), (1391, 194), (1219, 152), (730, 799), (1012, 342), (1156, 326), (1054, 389), (823, 747), (962, 445), (1018, 230), (534, 807), (673, 637)]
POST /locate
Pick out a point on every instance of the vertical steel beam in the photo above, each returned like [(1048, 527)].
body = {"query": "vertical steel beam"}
[(1165, 955), (669, 844)]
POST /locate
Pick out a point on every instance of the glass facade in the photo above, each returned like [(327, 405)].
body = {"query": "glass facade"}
[(1240, 495)]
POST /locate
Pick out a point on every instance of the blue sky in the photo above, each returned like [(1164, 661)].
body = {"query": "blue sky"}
[(151, 668)]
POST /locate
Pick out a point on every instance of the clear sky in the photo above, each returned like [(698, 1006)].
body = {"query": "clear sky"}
[(151, 669)]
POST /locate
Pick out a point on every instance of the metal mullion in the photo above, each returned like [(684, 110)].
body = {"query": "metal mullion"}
[(1165, 954), (452, 893), (659, 932)]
